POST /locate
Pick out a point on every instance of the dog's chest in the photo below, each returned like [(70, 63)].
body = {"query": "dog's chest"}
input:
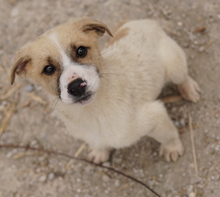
[(98, 127)]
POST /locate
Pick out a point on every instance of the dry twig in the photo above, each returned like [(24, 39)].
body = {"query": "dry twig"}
[(10, 92), (6, 67), (193, 146), (171, 99), (172, 32), (37, 98), (81, 159), (7, 118), (193, 150), (208, 44), (81, 148)]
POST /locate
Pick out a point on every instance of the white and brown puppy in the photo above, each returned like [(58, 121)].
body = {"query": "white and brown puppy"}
[(108, 98)]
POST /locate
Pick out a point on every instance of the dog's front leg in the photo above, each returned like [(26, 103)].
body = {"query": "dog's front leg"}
[(156, 123), (99, 155)]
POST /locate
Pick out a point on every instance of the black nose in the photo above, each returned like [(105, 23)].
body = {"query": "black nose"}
[(77, 87)]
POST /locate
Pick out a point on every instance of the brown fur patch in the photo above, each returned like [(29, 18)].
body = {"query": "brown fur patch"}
[(119, 35)]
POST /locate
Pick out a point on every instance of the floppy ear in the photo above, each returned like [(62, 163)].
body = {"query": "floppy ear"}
[(20, 62), (90, 24)]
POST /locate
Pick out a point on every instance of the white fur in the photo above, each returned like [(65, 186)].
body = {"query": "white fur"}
[(66, 62)]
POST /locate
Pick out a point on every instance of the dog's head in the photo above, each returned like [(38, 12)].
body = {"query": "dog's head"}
[(65, 60)]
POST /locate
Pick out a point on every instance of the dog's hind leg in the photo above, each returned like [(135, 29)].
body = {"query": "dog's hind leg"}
[(155, 123), (175, 64)]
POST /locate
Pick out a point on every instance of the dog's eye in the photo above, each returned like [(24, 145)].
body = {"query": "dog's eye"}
[(49, 69), (81, 52)]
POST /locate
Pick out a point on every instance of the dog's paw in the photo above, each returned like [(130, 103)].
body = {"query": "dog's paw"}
[(190, 90), (172, 150), (99, 156)]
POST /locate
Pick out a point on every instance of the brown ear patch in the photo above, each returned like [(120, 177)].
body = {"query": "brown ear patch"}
[(100, 30), (19, 68), (90, 24), (119, 35)]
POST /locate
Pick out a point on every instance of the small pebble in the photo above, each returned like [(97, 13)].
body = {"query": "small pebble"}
[(186, 45), (34, 144), (177, 123), (117, 183), (182, 122), (105, 178), (12, 152), (43, 178), (213, 178), (29, 88), (51, 176), (180, 24), (107, 164), (201, 49), (192, 194), (155, 154)]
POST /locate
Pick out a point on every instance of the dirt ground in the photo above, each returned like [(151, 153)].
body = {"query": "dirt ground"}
[(195, 25)]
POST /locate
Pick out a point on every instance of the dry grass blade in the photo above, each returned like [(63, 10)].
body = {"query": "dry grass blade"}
[(7, 118), (193, 150), (37, 98), (208, 44), (81, 148), (193, 146), (172, 32), (171, 99), (78, 152), (6, 67), (10, 92)]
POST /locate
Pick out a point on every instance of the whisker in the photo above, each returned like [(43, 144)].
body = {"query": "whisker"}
[(110, 74), (54, 103), (109, 82)]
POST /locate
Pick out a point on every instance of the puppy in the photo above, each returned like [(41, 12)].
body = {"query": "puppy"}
[(108, 98)]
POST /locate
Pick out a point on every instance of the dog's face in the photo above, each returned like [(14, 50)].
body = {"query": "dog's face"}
[(65, 60)]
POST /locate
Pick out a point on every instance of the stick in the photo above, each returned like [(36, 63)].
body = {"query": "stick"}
[(208, 44), (172, 32), (7, 118), (5, 64), (171, 99), (78, 152), (10, 92), (81, 159), (193, 146), (37, 98)]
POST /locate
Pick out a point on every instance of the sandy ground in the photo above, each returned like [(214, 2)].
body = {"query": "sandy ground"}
[(195, 25)]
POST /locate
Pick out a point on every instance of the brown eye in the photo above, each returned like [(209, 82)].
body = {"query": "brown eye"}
[(49, 69), (81, 52)]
